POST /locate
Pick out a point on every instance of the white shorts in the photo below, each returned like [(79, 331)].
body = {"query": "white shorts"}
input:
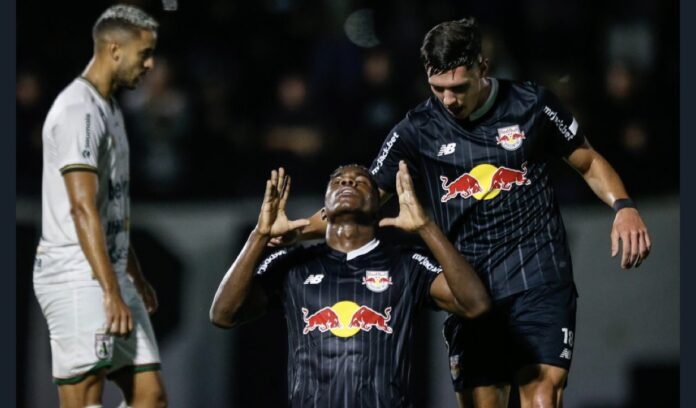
[(76, 322)]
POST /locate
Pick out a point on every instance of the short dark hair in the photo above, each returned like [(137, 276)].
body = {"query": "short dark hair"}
[(123, 17), (450, 45), (363, 169)]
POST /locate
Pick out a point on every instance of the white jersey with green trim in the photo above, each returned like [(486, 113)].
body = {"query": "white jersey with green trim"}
[(82, 132)]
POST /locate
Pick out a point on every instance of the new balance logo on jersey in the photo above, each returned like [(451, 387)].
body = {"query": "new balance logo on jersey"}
[(313, 279), (446, 149), (567, 354)]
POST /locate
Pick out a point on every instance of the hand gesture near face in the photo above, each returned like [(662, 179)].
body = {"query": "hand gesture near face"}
[(273, 221), (411, 216)]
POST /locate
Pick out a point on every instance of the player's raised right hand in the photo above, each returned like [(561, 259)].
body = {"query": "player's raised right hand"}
[(118, 316), (273, 221)]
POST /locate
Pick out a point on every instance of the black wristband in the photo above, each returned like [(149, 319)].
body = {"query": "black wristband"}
[(622, 203)]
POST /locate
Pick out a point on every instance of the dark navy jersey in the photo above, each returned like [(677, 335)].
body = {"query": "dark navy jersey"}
[(486, 181), (350, 321)]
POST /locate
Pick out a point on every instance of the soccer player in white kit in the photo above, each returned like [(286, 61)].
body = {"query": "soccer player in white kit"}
[(86, 276)]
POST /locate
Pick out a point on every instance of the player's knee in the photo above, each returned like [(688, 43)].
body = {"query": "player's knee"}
[(541, 394), (151, 398)]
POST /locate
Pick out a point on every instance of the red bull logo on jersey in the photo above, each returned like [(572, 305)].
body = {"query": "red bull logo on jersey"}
[(377, 281), (510, 137), (346, 318), (484, 182)]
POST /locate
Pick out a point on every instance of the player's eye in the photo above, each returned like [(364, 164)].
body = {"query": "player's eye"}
[(460, 89), (437, 89)]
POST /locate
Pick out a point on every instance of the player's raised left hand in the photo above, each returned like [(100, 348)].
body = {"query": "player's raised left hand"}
[(630, 229), (273, 221), (411, 216)]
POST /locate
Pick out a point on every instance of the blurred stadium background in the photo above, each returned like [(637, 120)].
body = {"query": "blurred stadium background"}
[(241, 87)]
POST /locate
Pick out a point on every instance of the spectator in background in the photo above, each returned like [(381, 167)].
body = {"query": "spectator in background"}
[(31, 109), (160, 113), (295, 134)]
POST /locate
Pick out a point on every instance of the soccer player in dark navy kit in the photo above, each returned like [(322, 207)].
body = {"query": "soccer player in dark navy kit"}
[(349, 303), (478, 151)]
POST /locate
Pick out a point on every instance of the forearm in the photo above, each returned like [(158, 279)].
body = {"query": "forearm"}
[(461, 278), (234, 288), (604, 181), (133, 267), (92, 240)]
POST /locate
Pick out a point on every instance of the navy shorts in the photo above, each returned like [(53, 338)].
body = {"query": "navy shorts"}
[(536, 326)]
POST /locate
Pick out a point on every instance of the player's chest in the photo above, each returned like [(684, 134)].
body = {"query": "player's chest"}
[(348, 302)]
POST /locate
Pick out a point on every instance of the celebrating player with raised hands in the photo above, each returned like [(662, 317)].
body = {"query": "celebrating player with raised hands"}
[(349, 303)]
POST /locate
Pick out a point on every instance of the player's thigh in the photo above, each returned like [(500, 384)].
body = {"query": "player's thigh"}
[(141, 387), (136, 361), (84, 393), (137, 352), (76, 319), (488, 396), (477, 350), (542, 327), (541, 383)]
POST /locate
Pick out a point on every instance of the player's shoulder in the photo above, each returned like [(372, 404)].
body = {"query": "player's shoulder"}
[(423, 113), (529, 91), (76, 99), (415, 256), (291, 256)]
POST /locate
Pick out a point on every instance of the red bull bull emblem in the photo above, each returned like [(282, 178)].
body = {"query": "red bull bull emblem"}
[(346, 318), (484, 182), (510, 137), (377, 281)]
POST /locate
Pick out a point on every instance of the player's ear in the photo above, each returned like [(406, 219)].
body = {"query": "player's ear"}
[(483, 66), (115, 51)]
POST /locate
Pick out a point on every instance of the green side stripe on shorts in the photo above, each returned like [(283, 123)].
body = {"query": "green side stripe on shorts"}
[(76, 379)]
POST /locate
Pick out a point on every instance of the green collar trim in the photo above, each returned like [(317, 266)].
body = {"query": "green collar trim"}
[(478, 113)]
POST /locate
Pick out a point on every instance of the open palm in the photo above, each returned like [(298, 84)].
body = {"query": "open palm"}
[(411, 214), (272, 220)]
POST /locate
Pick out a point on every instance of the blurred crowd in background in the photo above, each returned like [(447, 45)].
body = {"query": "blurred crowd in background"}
[(241, 87)]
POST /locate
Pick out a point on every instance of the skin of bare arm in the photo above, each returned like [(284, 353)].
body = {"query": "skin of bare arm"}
[(238, 299), (628, 226), (82, 192)]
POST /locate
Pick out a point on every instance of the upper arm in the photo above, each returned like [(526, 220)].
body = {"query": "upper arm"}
[(78, 135), (581, 158), (561, 132), (397, 146), (442, 295), (82, 188)]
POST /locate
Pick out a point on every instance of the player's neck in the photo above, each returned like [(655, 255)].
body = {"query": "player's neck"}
[(485, 92), (101, 79), (348, 235)]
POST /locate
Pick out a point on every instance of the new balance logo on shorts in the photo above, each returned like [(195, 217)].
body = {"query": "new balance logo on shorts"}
[(567, 354)]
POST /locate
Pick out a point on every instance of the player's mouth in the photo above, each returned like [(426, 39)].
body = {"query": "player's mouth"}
[(346, 192)]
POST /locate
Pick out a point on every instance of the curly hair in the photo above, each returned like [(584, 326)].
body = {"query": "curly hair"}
[(123, 17)]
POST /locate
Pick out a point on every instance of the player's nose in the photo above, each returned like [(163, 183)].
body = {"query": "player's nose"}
[(448, 98), (346, 181)]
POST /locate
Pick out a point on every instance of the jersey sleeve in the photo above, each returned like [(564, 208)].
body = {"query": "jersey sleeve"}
[(271, 273), (78, 135), (425, 270), (560, 129), (397, 146)]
